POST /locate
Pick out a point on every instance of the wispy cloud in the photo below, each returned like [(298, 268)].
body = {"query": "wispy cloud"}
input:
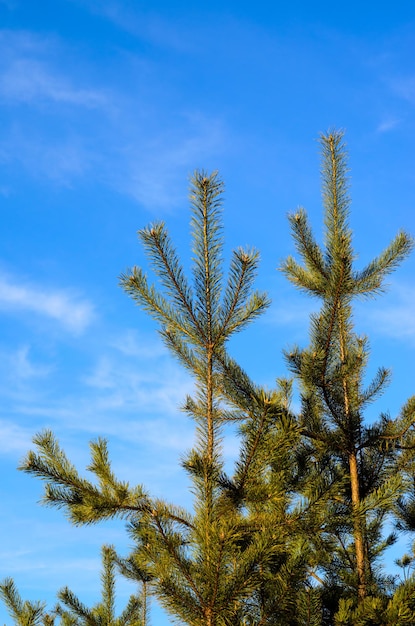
[(152, 168), (147, 392), (35, 73), (67, 308), (14, 439), (28, 80), (291, 311), (387, 124), (134, 344), (138, 151), (149, 26), (132, 392), (404, 86), (396, 318), (61, 160), (28, 75), (137, 148), (24, 368)]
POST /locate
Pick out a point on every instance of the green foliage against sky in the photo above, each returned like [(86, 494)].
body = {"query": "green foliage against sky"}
[(107, 107), (296, 532)]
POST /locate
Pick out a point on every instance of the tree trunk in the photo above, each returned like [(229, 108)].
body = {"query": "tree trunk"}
[(357, 527)]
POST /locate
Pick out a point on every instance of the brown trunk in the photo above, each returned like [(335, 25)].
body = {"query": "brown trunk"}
[(354, 487), (210, 621), (357, 527)]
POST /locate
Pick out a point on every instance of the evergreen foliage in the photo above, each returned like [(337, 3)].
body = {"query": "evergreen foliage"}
[(204, 566), (294, 536), (365, 458), (23, 612), (74, 612), (102, 614)]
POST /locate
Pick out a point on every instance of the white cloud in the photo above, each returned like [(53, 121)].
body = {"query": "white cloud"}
[(139, 150), (132, 344), (24, 368), (152, 168), (34, 71), (149, 26), (27, 73), (405, 87), (60, 161), (149, 392), (27, 80), (71, 311), (396, 317), (131, 397), (14, 439), (388, 124), (290, 309)]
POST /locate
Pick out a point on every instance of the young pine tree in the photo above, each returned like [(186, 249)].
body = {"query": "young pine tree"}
[(362, 458), (23, 612), (72, 610), (207, 567)]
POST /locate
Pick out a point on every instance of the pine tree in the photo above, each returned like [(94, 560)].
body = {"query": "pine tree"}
[(23, 612), (206, 568), (103, 613), (75, 613), (309, 495), (362, 458), (29, 613)]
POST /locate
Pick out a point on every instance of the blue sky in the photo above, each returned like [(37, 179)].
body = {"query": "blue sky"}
[(106, 108)]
